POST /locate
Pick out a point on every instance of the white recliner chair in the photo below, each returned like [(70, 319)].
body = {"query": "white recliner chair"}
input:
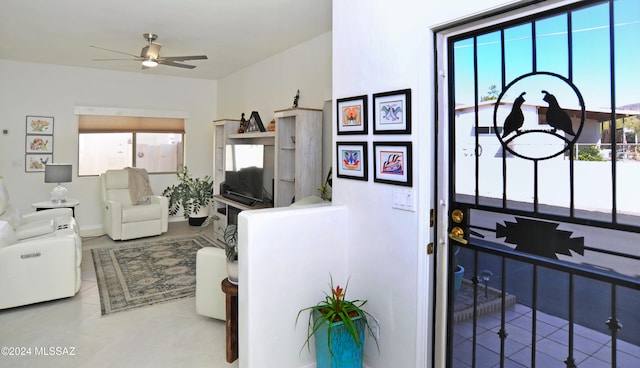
[(40, 255), (124, 218)]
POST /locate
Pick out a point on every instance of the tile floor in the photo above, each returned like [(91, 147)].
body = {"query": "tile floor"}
[(592, 348), (162, 335), (172, 335)]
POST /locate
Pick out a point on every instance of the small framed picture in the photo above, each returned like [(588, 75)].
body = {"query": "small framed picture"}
[(36, 162), (392, 163), (352, 115), (352, 160), (392, 112), (39, 144), (41, 125)]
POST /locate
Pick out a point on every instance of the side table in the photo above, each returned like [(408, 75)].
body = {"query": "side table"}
[(231, 292), (47, 205)]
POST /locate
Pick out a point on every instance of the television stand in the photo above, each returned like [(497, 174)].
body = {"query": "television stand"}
[(240, 199), (295, 168), (227, 211)]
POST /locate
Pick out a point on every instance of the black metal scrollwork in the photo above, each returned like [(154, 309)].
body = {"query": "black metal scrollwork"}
[(529, 141)]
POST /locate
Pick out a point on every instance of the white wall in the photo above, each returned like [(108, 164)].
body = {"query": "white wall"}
[(285, 258), (388, 47), (49, 90), (385, 47), (272, 83)]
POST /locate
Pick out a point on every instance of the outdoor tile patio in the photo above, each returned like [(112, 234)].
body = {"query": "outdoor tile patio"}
[(592, 349)]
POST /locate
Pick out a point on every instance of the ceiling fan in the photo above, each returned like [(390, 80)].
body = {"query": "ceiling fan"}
[(150, 55)]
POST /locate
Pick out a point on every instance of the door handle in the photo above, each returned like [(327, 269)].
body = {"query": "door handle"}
[(457, 234)]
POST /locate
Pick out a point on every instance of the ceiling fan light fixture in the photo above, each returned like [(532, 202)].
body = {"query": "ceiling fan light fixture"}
[(149, 63)]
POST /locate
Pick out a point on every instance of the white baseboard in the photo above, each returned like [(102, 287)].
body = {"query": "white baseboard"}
[(98, 230), (91, 231)]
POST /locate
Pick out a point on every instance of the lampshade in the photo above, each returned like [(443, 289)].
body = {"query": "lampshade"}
[(57, 173)]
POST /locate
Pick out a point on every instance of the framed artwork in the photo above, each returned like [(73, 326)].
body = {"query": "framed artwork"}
[(39, 144), (392, 112), (40, 125), (36, 162), (352, 115), (392, 163), (352, 160)]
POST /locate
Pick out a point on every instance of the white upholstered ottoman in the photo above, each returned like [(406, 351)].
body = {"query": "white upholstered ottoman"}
[(211, 269)]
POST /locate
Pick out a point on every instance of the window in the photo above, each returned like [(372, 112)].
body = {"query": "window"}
[(489, 130), (115, 142)]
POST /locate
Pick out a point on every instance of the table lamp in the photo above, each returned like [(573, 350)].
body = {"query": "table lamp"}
[(58, 173)]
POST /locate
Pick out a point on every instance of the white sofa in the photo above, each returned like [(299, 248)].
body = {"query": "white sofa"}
[(124, 219), (40, 255)]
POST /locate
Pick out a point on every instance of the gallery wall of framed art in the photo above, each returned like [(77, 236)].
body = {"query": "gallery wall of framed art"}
[(392, 159), (38, 142)]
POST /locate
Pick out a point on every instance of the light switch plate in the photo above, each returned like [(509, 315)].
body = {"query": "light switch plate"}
[(404, 199)]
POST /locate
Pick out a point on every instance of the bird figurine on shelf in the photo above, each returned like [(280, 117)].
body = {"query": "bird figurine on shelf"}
[(556, 117), (243, 124), (515, 119), (295, 100)]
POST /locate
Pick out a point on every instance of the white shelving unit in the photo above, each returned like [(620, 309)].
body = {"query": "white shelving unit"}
[(297, 165), (298, 154), (221, 129)]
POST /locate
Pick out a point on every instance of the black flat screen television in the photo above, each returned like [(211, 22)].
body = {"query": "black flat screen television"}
[(244, 173)]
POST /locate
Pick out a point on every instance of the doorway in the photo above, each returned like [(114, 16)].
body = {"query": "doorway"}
[(541, 216)]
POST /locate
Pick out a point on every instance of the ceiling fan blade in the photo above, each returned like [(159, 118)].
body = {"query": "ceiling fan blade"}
[(184, 58), (171, 63), (119, 52), (136, 59)]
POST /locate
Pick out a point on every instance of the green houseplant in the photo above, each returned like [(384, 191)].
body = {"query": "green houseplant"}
[(325, 189), (191, 194), (231, 250), (339, 329), (231, 242)]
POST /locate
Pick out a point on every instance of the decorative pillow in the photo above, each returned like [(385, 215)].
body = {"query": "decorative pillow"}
[(7, 235)]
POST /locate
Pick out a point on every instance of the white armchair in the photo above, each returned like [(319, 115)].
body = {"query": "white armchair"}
[(40, 255), (124, 218)]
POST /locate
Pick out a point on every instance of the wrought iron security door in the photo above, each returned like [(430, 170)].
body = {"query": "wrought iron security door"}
[(544, 207)]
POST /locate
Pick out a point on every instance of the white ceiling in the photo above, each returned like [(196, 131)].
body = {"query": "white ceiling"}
[(232, 33)]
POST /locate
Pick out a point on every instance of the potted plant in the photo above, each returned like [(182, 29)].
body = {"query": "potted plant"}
[(192, 194), (339, 329), (231, 250), (458, 272), (325, 189)]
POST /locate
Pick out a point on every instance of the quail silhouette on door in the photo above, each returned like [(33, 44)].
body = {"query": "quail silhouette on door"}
[(515, 119), (556, 117)]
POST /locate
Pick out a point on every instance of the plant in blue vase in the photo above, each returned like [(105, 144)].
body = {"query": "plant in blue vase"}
[(339, 328)]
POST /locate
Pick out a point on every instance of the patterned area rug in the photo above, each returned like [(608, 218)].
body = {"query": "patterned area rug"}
[(148, 272)]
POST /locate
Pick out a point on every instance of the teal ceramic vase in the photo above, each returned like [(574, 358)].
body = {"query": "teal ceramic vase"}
[(344, 353), (457, 281)]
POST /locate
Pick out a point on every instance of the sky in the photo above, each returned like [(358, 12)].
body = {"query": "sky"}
[(590, 59)]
